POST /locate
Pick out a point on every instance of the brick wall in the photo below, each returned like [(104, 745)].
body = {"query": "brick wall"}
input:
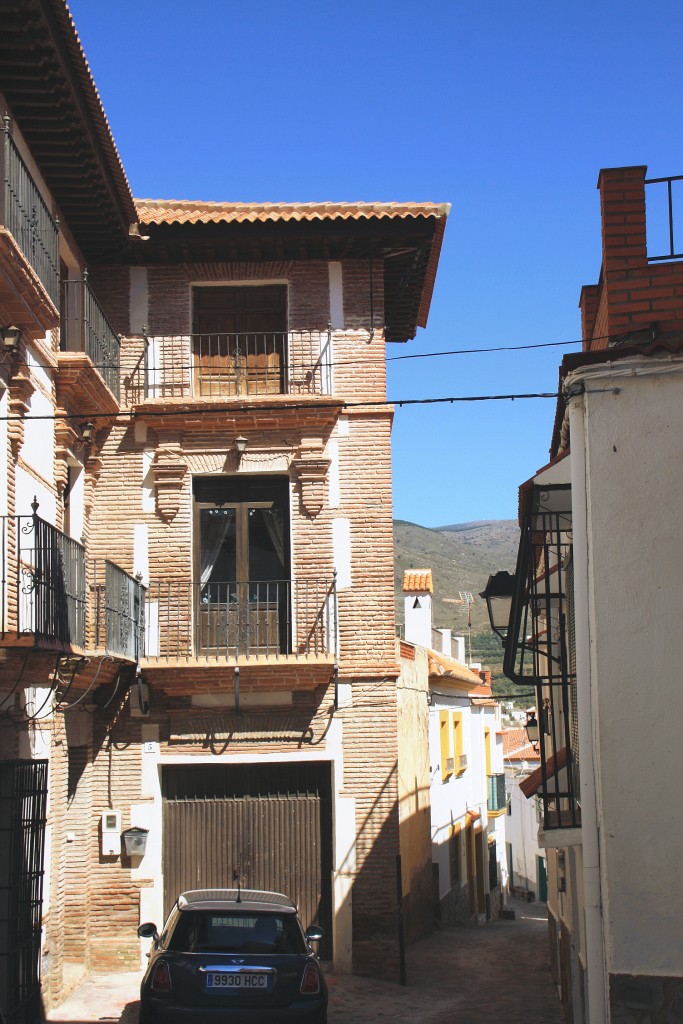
[(633, 293)]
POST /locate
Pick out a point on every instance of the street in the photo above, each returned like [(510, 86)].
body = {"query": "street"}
[(497, 973)]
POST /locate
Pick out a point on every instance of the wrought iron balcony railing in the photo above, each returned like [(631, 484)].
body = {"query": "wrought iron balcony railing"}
[(227, 620), (119, 607), (227, 365), (85, 328), (497, 799), (43, 582), (24, 213), (664, 196), (539, 648)]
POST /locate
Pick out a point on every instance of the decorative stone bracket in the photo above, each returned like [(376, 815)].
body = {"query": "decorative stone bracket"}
[(311, 469), (168, 470), (21, 388)]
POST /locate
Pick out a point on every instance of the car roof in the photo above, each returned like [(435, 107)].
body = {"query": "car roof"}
[(244, 899)]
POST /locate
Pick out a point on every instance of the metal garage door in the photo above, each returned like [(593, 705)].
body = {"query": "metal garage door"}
[(272, 823)]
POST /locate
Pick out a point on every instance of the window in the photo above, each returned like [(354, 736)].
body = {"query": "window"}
[(459, 756), (242, 562), (445, 743), (239, 339)]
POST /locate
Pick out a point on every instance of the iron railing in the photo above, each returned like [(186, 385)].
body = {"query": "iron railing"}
[(225, 365), (536, 648), (185, 620), (42, 581), (119, 620), (497, 799), (668, 184), (85, 328), (24, 213)]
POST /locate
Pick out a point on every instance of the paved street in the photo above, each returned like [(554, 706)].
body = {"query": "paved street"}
[(498, 973)]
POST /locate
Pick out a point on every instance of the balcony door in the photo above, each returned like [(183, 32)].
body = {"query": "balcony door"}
[(242, 565), (239, 336)]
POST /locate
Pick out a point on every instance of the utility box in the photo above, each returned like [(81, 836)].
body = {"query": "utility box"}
[(111, 833)]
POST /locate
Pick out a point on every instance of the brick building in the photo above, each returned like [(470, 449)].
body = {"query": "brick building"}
[(198, 636)]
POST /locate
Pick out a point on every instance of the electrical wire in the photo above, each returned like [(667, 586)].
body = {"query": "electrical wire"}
[(331, 364), (246, 408)]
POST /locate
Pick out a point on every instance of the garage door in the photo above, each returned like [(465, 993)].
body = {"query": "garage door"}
[(271, 823)]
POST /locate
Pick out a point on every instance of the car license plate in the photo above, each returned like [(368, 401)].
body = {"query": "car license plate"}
[(232, 979)]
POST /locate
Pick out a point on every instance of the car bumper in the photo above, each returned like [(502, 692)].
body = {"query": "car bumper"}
[(157, 1011)]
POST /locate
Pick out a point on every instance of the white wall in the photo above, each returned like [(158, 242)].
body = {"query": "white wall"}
[(634, 460)]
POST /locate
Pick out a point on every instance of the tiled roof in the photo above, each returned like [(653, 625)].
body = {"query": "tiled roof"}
[(531, 785), (418, 581), (183, 211), (516, 746), (439, 665)]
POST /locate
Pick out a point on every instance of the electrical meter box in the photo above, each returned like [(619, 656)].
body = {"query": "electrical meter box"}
[(111, 833)]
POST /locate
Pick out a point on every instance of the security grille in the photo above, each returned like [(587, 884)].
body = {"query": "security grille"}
[(23, 804)]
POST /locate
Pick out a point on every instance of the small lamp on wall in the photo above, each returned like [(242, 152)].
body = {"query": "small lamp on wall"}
[(240, 446), (10, 338), (532, 730), (87, 432)]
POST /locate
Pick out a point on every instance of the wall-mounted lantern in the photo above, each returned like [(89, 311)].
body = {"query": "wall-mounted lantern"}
[(135, 841)]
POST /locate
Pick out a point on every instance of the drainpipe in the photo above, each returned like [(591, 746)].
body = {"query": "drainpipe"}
[(595, 939)]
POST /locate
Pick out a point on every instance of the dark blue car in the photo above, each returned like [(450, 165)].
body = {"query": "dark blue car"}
[(231, 956)]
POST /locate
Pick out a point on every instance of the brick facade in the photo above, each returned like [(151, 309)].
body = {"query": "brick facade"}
[(113, 476)]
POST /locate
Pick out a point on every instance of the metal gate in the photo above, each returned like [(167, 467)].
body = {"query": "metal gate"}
[(23, 805), (271, 823)]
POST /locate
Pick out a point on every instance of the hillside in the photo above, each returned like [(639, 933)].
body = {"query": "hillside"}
[(461, 556)]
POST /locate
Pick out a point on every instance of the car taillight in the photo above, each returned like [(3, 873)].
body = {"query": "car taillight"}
[(161, 979), (310, 983)]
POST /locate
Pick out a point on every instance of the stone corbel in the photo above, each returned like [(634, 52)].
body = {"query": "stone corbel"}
[(93, 468), (311, 469), (21, 388), (168, 470), (66, 436)]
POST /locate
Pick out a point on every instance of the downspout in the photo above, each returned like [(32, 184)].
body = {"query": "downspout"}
[(595, 947)]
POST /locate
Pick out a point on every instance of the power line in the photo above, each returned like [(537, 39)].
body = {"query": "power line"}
[(289, 407), (380, 359)]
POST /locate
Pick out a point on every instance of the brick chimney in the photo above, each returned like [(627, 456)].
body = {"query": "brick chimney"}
[(417, 601)]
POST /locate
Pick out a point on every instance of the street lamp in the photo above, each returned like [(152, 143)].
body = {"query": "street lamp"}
[(498, 596), (532, 730), (240, 446)]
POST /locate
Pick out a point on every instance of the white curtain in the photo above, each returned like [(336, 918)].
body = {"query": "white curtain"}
[(214, 526)]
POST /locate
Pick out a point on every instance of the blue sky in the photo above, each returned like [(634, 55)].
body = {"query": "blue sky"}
[(507, 111)]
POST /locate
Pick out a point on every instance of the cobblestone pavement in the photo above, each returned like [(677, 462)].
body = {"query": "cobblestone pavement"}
[(498, 973)]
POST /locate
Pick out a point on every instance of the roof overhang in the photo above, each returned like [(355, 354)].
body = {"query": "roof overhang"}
[(47, 83), (405, 237)]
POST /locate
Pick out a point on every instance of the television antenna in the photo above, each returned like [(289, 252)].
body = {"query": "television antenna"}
[(467, 598)]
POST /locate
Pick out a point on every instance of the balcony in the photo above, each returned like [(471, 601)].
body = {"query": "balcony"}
[(219, 366), (43, 585), (497, 798), (29, 246), (540, 651), (231, 623), (53, 599), (119, 611), (90, 356)]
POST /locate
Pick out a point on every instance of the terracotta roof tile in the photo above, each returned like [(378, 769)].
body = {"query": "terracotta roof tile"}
[(531, 785), (516, 746), (439, 665), (183, 211), (418, 581)]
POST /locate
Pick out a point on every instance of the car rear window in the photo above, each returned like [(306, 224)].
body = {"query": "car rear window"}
[(213, 931)]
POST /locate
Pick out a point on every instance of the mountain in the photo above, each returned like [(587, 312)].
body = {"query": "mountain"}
[(461, 556)]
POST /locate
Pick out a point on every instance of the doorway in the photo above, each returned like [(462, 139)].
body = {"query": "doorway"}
[(242, 564)]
